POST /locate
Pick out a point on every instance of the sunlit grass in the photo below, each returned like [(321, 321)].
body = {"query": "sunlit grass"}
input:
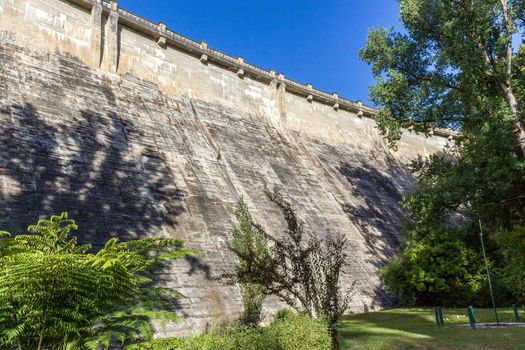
[(416, 329)]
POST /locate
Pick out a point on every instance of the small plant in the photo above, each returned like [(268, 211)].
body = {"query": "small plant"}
[(250, 239), (283, 314)]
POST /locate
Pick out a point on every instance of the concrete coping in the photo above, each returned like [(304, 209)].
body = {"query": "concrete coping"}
[(205, 54)]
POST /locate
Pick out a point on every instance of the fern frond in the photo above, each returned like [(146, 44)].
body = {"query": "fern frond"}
[(85, 300)]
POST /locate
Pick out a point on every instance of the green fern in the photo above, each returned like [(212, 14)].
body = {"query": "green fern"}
[(55, 294)]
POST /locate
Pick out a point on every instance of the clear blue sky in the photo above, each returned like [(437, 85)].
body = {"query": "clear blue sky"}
[(313, 41)]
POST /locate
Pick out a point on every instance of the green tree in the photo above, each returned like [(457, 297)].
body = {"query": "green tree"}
[(54, 294), (482, 176), (299, 268), (456, 65), (513, 265), (439, 269)]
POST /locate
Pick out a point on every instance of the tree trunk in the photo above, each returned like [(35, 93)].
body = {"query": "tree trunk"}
[(518, 123), (520, 128)]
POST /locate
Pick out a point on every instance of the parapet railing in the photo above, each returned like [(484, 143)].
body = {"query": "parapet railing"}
[(160, 32)]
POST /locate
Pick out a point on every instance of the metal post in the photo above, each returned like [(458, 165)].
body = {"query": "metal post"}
[(516, 313), (440, 316), (488, 272), (436, 314), (471, 317)]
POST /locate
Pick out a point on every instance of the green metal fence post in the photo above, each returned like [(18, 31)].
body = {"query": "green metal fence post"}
[(440, 316), (436, 316), (488, 272), (471, 317), (516, 314)]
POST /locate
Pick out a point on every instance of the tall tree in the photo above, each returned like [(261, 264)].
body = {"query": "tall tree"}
[(454, 66)]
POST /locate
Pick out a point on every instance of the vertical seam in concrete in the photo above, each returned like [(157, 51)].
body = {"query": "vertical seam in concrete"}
[(212, 144)]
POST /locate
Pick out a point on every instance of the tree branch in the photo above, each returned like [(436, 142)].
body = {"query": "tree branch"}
[(488, 59), (437, 81), (506, 20)]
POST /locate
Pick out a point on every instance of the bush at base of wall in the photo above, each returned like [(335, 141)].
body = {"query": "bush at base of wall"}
[(295, 332)]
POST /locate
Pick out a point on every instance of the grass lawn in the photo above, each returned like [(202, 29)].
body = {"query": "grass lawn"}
[(416, 329)]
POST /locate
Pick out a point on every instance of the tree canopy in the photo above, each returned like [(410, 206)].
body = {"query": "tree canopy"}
[(455, 66)]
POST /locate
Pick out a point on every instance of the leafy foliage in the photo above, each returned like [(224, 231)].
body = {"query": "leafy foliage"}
[(249, 239), (513, 264), (436, 271), (302, 271), (455, 66), (295, 332), (54, 294), (452, 68), (483, 174), (480, 177)]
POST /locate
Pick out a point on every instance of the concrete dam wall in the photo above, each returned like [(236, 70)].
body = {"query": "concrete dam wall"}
[(119, 121)]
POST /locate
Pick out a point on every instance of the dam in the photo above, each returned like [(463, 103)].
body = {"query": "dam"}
[(137, 131)]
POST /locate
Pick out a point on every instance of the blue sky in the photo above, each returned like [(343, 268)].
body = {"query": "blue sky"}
[(314, 41)]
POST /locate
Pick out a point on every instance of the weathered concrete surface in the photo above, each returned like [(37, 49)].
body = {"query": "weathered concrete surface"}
[(133, 154)]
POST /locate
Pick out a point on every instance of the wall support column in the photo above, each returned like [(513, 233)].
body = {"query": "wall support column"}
[(96, 34), (280, 97), (112, 38)]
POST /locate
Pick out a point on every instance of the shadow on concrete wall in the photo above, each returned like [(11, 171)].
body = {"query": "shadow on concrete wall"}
[(378, 211), (88, 170)]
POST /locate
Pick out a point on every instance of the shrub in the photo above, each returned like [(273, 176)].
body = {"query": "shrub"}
[(436, 271), (299, 332), (283, 314), (294, 332), (298, 267), (513, 266), (250, 240)]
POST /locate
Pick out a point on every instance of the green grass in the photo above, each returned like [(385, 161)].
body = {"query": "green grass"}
[(416, 329)]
